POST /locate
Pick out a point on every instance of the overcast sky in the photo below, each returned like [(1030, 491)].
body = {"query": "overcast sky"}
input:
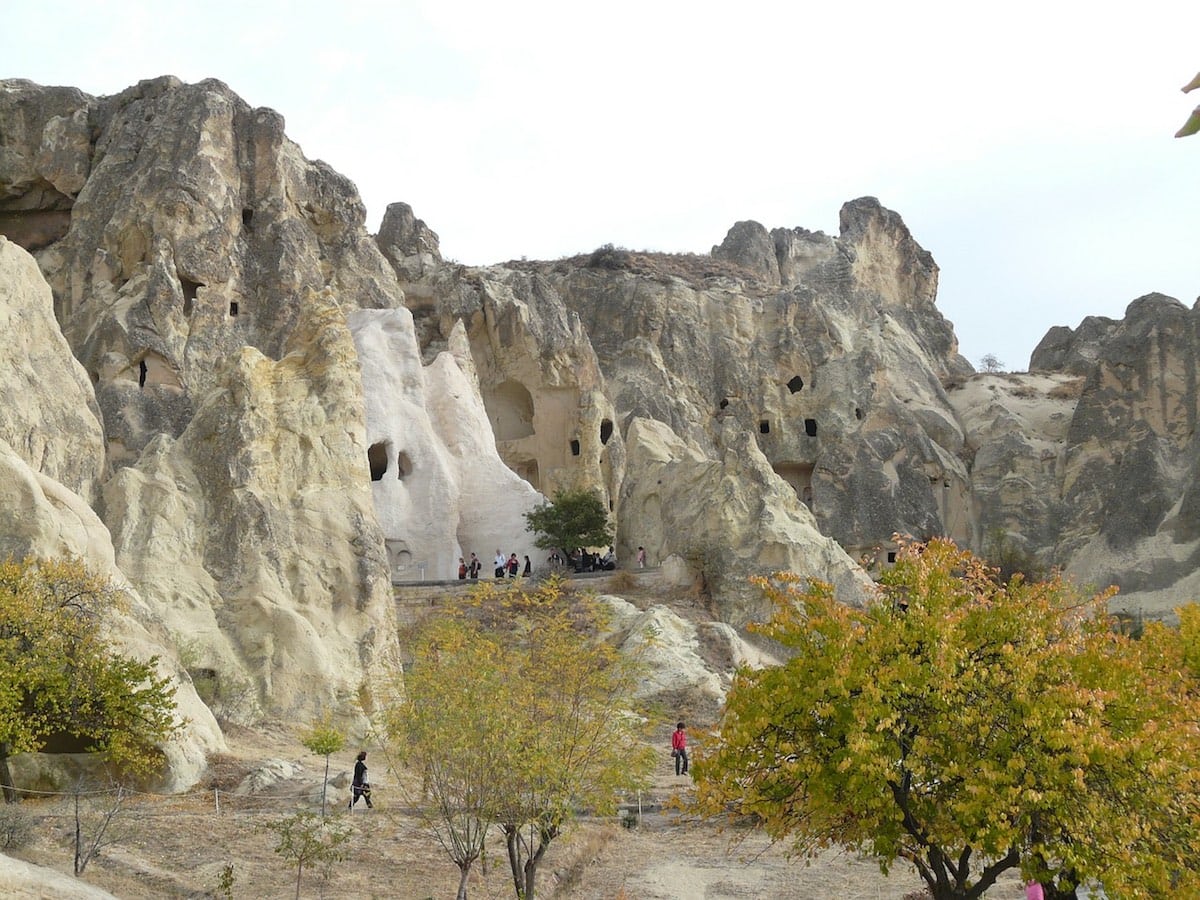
[(1028, 145)]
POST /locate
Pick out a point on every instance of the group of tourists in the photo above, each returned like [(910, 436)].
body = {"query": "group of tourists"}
[(578, 560), (505, 566)]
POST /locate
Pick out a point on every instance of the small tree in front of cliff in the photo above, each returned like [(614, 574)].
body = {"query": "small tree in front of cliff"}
[(62, 677), (574, 518), (967, 727), (515, 714), (323, 739), (312, 842)]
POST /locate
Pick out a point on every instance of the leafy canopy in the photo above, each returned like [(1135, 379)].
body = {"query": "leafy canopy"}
[(575, 518), (514, 714), (968, 727), (60, 673)]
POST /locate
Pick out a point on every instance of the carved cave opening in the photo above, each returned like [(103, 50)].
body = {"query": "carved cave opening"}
[(796, 384), (724, 403), (189, 289), (575, 447), (606, 430), (510, 407), (377, 457), (764, 427), (233, 308), (810, 427), (799, 476), (404, 465), (142, 370), (528, 469), (858, 413), (247, 216)]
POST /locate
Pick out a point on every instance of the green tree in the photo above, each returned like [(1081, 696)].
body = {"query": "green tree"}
[(968, 727), (323, 739), (451, 727), (515, 714), (60, 674), (575, 518), (308, 840)]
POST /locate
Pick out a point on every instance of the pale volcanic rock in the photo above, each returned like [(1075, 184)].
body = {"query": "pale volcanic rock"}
[(197, 231), (55, 522), (48, 411), (202, 275), (1016, 427), (439, 486), (682, 660), (256, 526), (545, 396), (726, 519), (20, 880), (1131, 474), (837, 377)]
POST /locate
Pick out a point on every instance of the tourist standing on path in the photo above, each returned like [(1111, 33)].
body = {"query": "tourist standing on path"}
[(462, 569), (641, 557), (514, 566), (679, 749), (474, 566), (360, 786), (501, 563)]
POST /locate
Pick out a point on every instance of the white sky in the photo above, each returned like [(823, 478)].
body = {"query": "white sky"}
[(1028, 145)]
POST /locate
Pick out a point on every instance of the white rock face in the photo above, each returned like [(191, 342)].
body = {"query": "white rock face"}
[(685, 662), (20, 880), (55, 522), (686, 505), (256, 530), (48, 411), (440, 489)]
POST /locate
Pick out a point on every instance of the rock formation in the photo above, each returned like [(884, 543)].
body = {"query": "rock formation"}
[(269, 414), (202, 270)]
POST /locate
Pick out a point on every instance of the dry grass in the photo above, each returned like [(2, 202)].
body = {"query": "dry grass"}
[(1068, 390)]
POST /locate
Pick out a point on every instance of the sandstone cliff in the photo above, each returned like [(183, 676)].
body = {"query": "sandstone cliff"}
[(261, 415)]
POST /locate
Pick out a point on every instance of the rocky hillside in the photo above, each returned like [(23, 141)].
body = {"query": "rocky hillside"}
[(228, 393)]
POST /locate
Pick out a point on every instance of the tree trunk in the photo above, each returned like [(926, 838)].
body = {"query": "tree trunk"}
[(511, 838), (530, 875), (324, 785), (10, 794), (299, 871), (465, 871)]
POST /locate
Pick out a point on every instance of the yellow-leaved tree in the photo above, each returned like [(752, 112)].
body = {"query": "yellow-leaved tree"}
[(968, 727), (515, 714), (61, 675)]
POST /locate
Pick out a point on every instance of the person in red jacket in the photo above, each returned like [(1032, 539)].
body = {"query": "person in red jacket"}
[(679, 749)]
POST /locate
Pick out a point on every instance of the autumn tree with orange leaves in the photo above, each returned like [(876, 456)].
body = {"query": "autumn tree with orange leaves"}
[(968, 727)]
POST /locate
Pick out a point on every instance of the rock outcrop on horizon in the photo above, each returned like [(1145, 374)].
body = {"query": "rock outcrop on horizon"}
[(271, 415)]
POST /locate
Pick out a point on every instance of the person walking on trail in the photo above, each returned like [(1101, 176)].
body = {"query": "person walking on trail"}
[(501, 563), (361, 786), (641, 558), (679, 749), (474, 566)]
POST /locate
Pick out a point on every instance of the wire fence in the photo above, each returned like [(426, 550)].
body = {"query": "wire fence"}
[(215, 800)]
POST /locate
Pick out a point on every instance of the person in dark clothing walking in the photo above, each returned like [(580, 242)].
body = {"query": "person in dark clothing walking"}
[(360, 786), (528, 570)]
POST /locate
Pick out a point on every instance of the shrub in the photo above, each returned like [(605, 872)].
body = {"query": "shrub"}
[(16, 827), (609, 257)]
